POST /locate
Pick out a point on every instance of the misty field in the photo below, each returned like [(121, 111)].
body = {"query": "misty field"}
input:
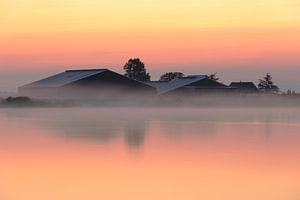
[(149, 153)]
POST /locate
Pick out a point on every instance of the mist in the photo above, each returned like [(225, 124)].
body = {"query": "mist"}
[(91, 148), (133, 125), (284, 76)]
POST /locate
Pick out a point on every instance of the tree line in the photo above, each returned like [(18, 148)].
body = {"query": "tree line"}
[(136, 70)]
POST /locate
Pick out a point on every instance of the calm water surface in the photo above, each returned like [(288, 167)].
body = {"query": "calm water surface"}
[(186, 154)]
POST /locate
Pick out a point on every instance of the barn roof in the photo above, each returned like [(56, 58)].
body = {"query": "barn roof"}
[(243, 85), (157, 84), (164, 86), (64, 78)]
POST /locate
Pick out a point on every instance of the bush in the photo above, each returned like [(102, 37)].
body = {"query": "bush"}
[(17, 101)]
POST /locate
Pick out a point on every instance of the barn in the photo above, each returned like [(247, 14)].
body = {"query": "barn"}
[(244, 88), (189, 86), (86, 84)]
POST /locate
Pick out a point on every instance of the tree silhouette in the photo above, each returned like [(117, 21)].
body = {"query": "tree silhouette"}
[(213, 77), (135, 69), (266, 84), (170, 76), (290, 93)]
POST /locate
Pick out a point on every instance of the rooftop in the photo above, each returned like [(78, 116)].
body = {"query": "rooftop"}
[(167, 86), (65, 78), (245, 85)]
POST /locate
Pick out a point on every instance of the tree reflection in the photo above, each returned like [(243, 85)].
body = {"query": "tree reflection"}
[(134, 133)]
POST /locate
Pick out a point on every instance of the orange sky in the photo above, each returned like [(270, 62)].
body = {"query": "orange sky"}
[(188, 35)]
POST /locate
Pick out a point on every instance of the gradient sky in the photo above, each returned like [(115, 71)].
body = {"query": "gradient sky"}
[(241, 40)]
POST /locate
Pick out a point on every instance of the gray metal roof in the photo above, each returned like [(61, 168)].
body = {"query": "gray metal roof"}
[(164, 87), (64, 78), (244, 85), (157, 84)]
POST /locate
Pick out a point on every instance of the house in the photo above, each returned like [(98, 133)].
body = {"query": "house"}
[(244, 87), (86, 84), (189, 85)]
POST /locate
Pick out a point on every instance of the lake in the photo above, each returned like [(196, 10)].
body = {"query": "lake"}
[(143, 153)]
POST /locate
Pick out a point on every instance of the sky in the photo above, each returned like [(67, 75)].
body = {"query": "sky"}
[(240, 40)]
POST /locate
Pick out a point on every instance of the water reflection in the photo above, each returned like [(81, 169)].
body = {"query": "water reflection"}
[(107, 125), (78, 154), (86, 124), (135, 133)]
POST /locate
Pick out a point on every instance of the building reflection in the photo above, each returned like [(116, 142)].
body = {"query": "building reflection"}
[(101, 125), (97, 127)]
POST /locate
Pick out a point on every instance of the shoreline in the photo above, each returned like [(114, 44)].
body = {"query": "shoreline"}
[(273, 101)]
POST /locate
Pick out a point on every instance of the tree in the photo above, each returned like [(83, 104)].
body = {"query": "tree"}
[(170, 76), (290, 92), (135, 69), (266, 84), (213, 77)]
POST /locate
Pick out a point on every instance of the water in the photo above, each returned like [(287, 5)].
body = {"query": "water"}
[(186, 154)]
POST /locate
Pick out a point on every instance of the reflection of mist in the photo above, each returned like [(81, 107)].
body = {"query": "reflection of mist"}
[(205, 130), (83, 127), (268, 130), (91, 125), (131, 124), (102, 127)]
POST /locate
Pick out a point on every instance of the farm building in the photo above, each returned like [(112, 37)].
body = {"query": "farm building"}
[(244, 87), (189, 85), (86, 84)]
